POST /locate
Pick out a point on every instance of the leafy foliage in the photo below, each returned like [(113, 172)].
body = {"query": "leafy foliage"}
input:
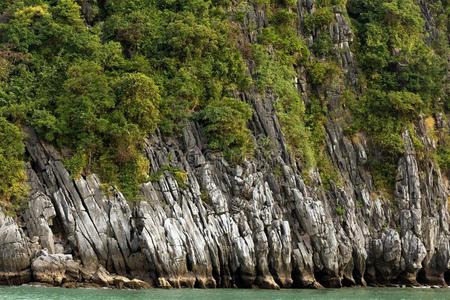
[(99, 90), (404, 77), (97, 79), (278, 52), (226, 128), (12, 168)]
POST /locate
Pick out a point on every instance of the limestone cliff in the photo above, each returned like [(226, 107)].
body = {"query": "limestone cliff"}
[(260, 223)]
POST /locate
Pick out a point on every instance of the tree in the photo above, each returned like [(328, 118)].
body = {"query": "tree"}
[(138, 100), (226, 128), (13, 187), (83, 107)]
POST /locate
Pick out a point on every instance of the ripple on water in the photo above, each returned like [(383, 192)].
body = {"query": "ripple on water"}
[(41, 293)]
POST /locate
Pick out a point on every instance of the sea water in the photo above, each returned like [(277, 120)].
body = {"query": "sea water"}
[(42, 293)]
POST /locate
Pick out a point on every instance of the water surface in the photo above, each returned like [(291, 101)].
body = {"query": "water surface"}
[(40, 293)]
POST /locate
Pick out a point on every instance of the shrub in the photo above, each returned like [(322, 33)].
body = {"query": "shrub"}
[(76, 164), (443, 158), (321, 18), (404, 78), (323, 45), (405, 103), (284, 17), (226, 128), (340, 211), (13, 187), (138, 100), (290, 112), (321, 72)]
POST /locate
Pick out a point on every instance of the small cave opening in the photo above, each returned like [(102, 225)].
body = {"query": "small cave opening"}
[(421, 277), (348, 282), (244, 279), (358, 277), (296, 278), (447, 277), (321, 278), (326, 280), (189, 262), (59, 237)]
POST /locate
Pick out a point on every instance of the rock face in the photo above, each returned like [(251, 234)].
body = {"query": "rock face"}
[(62, 270), (15, 252), (230, 226), (256, 224), (55, 269)]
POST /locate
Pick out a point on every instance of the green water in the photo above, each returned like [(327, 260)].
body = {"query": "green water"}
[(38, 293)]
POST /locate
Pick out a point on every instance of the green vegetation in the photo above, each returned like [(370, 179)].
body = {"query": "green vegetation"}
[(324, 75), (188, 47), (340, 211), (404, 77), (12, 168), (278, 52), (320, 19), (180, 176), (316, 119), (96, 82), (226, 128)]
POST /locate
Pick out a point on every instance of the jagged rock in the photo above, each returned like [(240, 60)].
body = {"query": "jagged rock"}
[(321, 230), (137, 284), (237, 226), (414, 253), (120, 281), (256, 224), (163, 283), (15, 253), (303, 265), (55, 269), (40, 213), (102, 277)]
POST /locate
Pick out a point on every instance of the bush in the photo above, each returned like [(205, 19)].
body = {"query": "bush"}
[(323, 45), (340, 211), (82, 108), (76, 164), (405, 103), (291, 112), (284, 17), (404, 79), (321, 72), (443, 158), (13, 187), (320, 19), (225, 124), (138, 100)]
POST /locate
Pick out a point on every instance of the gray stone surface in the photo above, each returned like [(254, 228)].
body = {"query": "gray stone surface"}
[(256, 224)]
